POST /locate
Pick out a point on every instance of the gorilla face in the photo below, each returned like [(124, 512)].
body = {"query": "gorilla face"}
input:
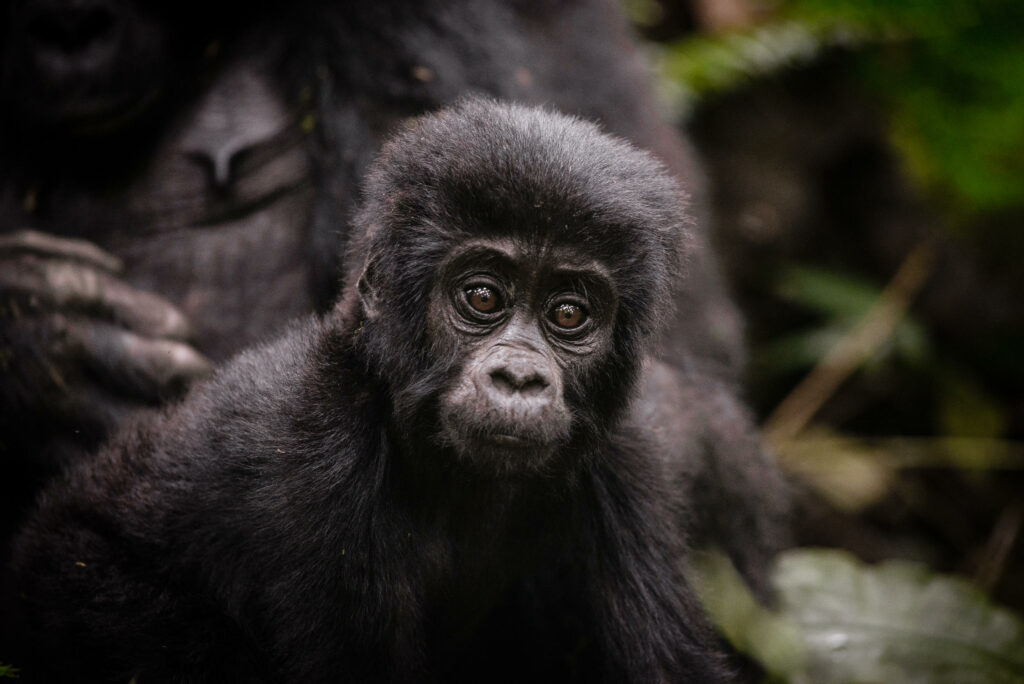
[(511, 282), (522, 323)]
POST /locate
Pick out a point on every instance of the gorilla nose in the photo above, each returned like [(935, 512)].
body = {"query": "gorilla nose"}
[(519, 377), (73, 27)]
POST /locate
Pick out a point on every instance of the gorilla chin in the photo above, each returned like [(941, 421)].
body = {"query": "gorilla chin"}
[(502, 447), (506, 454), (101, 116)]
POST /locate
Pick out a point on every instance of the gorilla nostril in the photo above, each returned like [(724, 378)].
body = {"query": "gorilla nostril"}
[(74, 29), (533, 386), (502, 382), (509, 382)]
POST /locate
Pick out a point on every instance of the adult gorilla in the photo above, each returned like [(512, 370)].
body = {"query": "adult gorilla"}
[(186, 170)]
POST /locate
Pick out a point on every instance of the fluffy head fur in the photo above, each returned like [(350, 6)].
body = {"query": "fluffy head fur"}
[(484, 170)]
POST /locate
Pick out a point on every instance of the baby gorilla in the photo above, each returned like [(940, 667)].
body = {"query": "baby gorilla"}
[(447, 479)]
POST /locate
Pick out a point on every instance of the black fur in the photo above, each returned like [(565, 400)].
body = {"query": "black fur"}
[(346, 74), (108, 155), (239, 261), (295, 519)]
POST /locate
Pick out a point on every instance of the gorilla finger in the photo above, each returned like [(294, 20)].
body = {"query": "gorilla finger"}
[(143, 312), (146, 368), (45, 245), (67, 285)]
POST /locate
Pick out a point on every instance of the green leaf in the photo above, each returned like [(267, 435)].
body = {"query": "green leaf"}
[(707, 64), (766, 637), (795, 352), (895, 622), (833, 294)]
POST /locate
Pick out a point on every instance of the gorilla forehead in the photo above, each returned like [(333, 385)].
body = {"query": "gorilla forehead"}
[(489, 170), (526, 259)]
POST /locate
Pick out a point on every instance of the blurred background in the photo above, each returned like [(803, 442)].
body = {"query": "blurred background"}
[(866, 172)]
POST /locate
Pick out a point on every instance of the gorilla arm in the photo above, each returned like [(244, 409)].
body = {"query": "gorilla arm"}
[(737, 498)]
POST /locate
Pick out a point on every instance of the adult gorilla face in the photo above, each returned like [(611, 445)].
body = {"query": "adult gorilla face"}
[(521, 322)]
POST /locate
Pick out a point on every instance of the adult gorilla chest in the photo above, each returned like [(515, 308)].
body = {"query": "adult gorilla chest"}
[(212, 213)]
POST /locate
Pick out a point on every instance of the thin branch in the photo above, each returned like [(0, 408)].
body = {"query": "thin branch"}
[(1000, 543), (793, 414)]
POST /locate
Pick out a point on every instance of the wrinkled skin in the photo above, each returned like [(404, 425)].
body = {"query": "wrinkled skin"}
[(519, 322)]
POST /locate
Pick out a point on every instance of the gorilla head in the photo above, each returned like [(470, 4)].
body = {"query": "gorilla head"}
[(511, 284), (79, 61), (90, 66)]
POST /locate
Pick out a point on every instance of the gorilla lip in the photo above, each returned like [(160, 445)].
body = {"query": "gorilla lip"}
[(510, 440)]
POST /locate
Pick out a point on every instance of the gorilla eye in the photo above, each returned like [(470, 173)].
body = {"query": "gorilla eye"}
[(568, 315), (483, 299)]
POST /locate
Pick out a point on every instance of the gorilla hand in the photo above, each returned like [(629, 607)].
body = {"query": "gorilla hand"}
[(79, 348)]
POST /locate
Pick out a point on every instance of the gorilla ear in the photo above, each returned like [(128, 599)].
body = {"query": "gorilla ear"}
[(367, 286)]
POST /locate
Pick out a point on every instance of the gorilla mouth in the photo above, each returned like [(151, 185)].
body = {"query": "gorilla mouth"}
[(507, 440), (507, 453), (504, 432), (95, 114)]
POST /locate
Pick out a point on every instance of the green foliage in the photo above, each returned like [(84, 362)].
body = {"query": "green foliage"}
[(949, 71), (839, 620), (841, 300), (958, 103), (836, 295), (896, 622), (770, 639), (963, 407), (890, 17), (704, 65), (9, 671)]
